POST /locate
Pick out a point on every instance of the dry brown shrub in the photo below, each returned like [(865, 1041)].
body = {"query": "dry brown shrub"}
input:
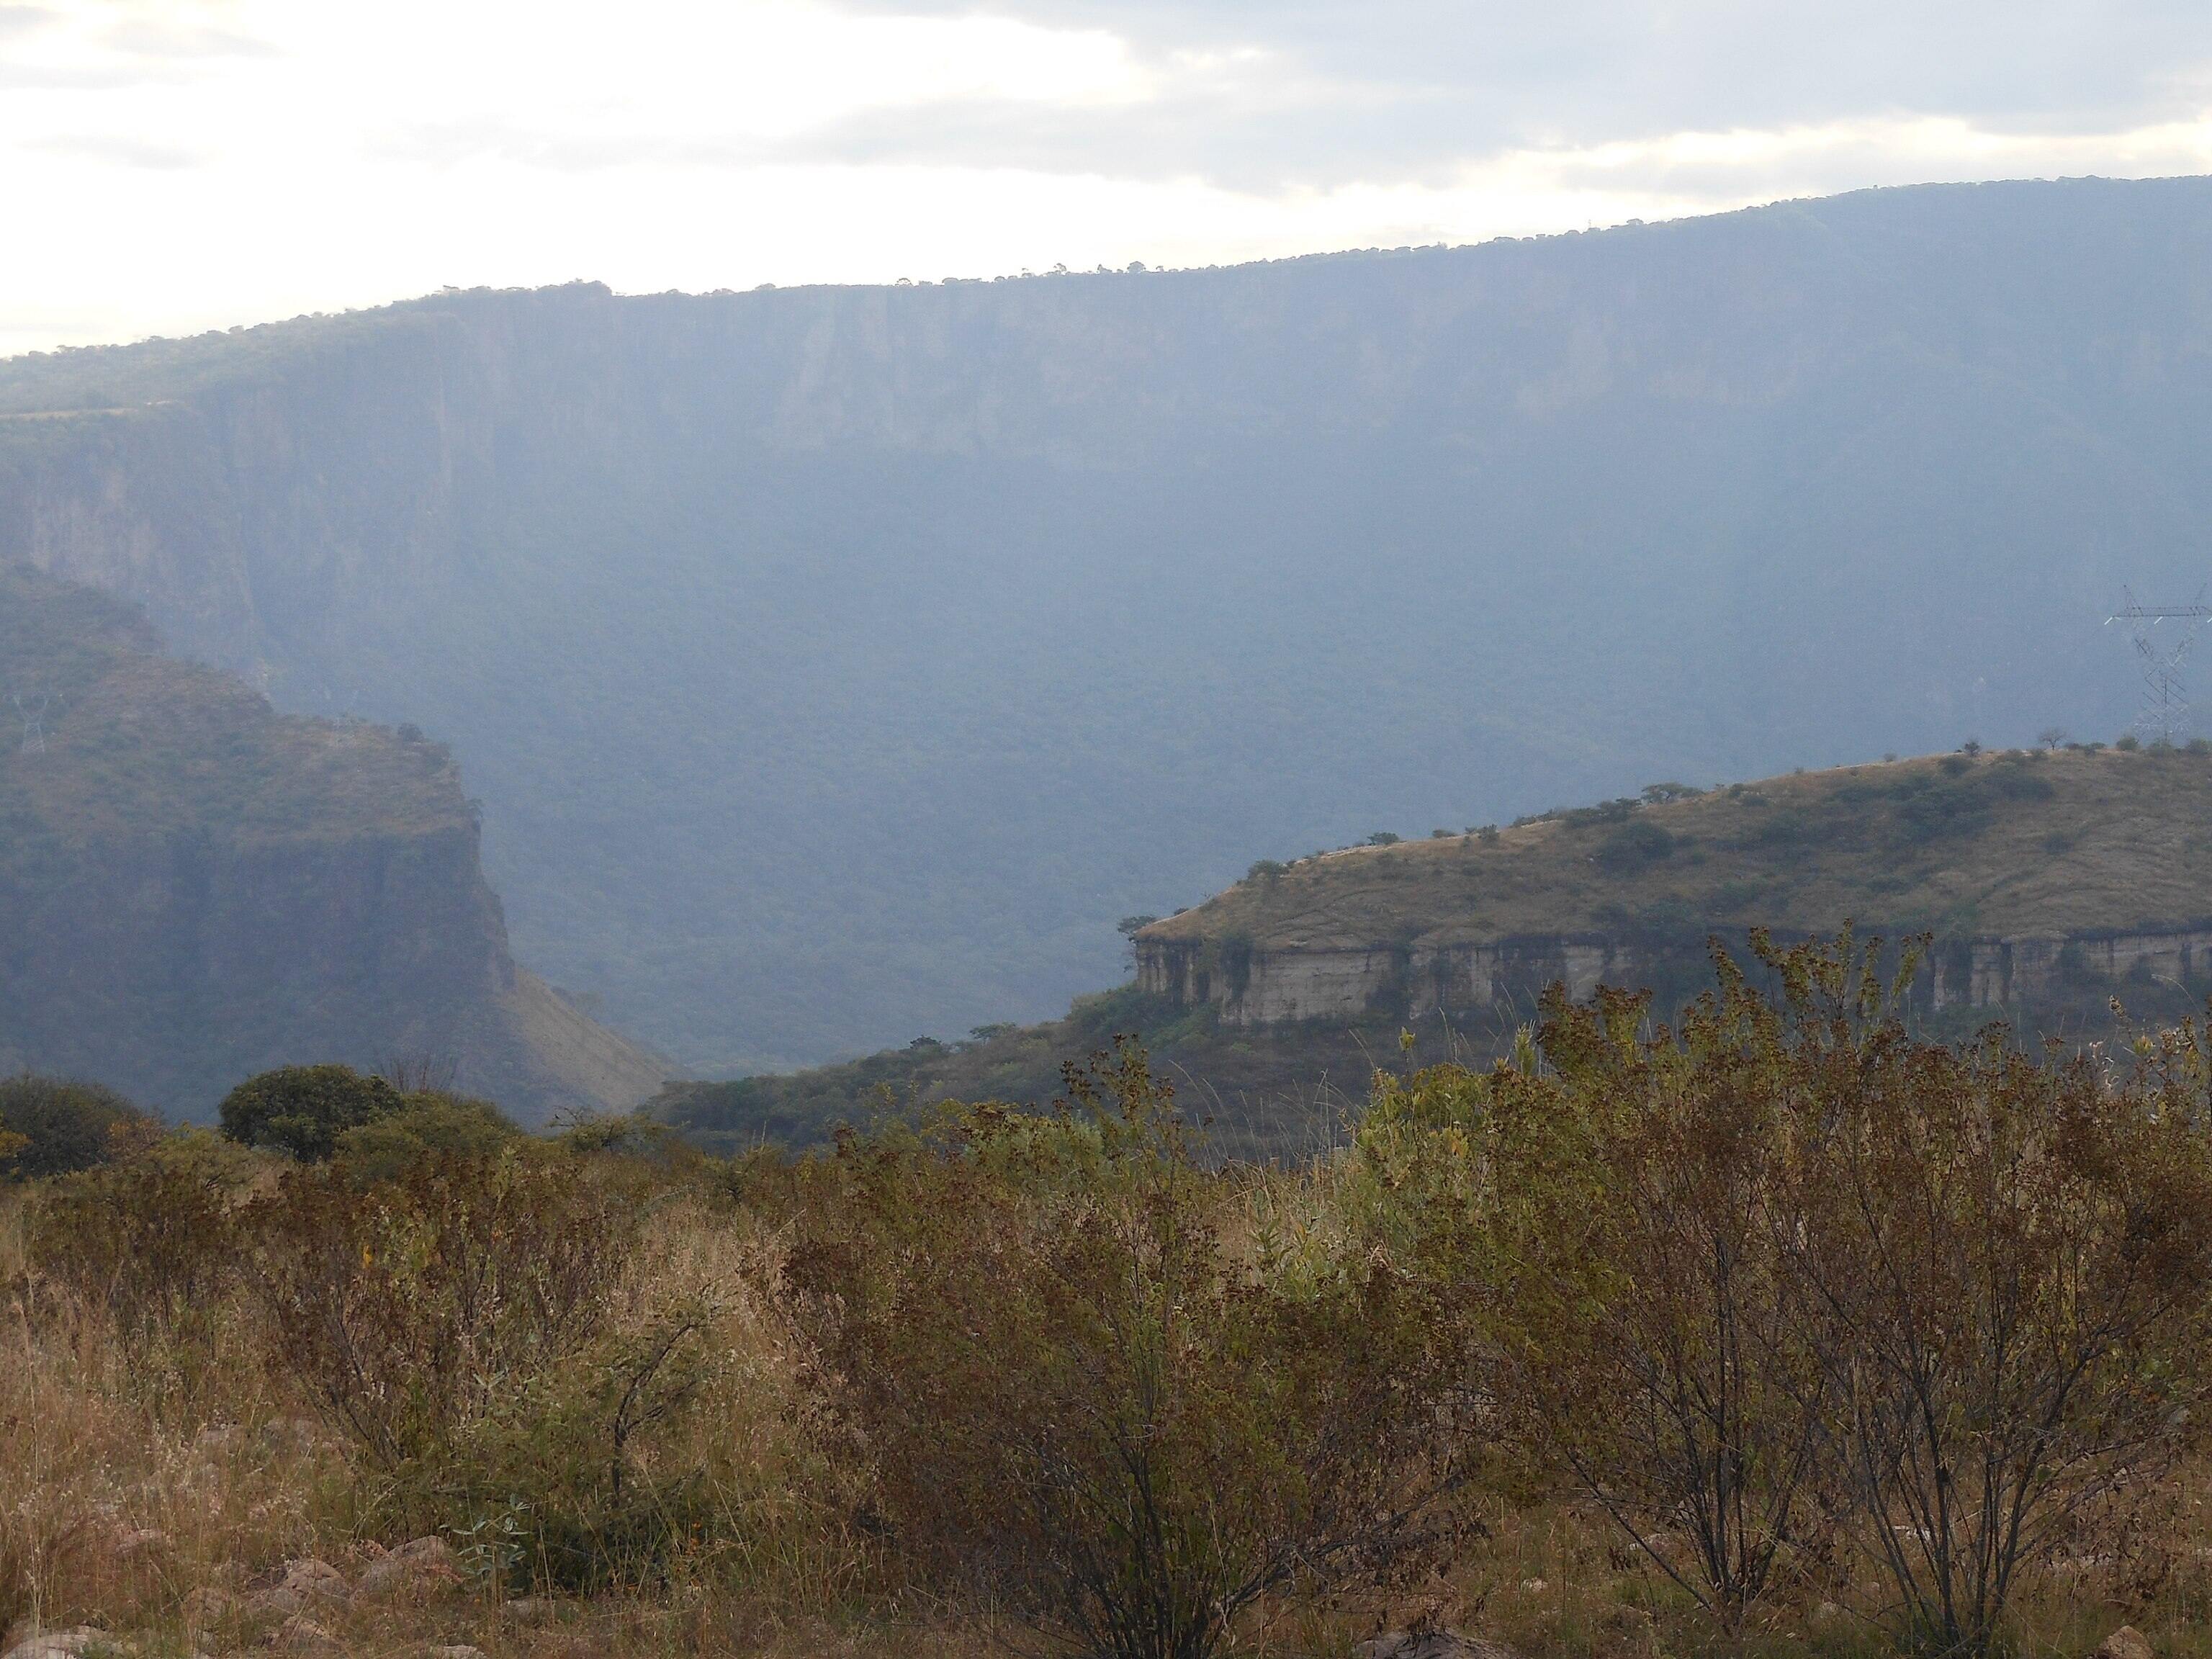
[(1794, 1268), (1080, 1405)]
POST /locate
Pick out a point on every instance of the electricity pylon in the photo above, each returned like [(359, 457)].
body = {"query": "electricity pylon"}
[(2165, 699)]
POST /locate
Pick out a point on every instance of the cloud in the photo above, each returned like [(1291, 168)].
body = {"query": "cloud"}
[(112, 150), (674, 143), (1330, 90), (146, 37)]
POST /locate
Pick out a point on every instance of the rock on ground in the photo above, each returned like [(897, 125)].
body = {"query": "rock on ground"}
[(307, 1583), (1431, 1644), (60, 1644), (408, 1570), (2125, 1642), (303, 1635), (209, 1604)]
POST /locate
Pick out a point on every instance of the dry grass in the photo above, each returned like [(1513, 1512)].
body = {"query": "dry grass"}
[(2001, 844), (144, 1495)]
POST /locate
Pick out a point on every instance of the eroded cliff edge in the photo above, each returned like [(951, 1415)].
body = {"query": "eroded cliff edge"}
[(194, 887), (2046, 884)]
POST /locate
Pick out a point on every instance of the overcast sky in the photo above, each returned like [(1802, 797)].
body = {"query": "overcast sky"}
[(175, 165)]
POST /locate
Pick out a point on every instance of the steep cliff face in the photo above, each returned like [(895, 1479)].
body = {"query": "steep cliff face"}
[(194, 888), (2046, 882), (2030, 974), (837, 664)]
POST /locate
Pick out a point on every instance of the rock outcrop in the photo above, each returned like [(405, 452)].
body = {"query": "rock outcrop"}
[(1256, 986), (2040, 882), (194, 888)]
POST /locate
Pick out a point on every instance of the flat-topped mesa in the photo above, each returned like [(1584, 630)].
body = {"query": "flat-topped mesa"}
[(2043, 877), (194, 887)]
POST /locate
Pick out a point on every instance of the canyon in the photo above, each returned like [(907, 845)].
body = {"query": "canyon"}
[(837, 665)]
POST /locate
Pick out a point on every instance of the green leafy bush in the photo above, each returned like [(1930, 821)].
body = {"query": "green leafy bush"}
[(304, 1109), (422, 1131)]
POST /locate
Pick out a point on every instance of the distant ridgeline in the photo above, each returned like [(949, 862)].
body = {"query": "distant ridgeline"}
[(839, 663), (2050, 881), (194, 887)]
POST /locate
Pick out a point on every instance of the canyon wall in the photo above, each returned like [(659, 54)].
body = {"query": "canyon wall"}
[(836, 665), (194, 888)]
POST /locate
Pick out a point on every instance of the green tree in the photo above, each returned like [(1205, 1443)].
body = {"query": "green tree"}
[(65, 1126), (304, 1109)]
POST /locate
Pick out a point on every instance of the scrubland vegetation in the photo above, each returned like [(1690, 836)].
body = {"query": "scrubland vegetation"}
[(1781, 1332)]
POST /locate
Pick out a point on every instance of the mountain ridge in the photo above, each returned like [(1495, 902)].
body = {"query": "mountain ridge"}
[(838, 663)]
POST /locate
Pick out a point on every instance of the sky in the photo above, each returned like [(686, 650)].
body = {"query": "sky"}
[(173, 166)]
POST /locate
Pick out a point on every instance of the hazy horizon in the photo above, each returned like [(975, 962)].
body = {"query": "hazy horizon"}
[(194, 164)]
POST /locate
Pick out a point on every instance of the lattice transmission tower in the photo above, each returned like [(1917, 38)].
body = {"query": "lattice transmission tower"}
[(35, 722), (2164, 697)]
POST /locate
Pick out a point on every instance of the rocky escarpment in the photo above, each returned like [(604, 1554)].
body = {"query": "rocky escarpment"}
[(194, 888), (2044, 882), (1254, 986)]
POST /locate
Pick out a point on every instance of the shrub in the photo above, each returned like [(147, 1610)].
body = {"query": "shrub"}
[(406, 1309), (1793, 1270), (1079, 1398), (422, 1130), (556, 1460), (65, 1126), (1634, 845), (1605, 1206), (153, 1242), (303, 1110), (458, 1323), (2011, 1256)]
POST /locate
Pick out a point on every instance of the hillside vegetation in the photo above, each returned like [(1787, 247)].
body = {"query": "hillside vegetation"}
[(134, 743), (2042, 841), (2071, 840), (838, 664)]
